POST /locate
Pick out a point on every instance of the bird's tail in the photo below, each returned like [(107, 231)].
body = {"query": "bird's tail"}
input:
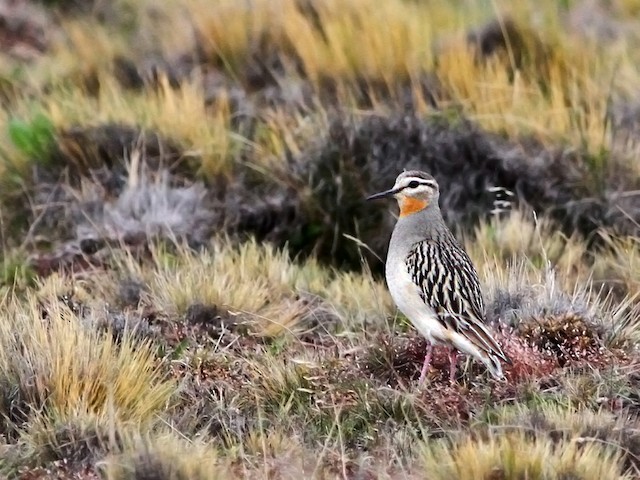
[(494, 364), (476, 340)]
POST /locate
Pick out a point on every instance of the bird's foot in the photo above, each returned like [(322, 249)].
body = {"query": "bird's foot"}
[(425, 365), (453, 357)]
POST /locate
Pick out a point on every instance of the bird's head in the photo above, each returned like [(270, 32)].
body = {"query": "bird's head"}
[(414, 190)]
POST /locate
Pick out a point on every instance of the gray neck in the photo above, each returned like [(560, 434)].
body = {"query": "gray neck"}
[(416, 227)]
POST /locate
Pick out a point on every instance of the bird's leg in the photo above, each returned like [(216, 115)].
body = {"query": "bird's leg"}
[(427, 362), (453, 357)]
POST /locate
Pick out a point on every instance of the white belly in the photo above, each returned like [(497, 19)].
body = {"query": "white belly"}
[(406, 295)]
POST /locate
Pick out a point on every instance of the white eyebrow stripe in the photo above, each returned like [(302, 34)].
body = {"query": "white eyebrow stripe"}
[(421, 181)]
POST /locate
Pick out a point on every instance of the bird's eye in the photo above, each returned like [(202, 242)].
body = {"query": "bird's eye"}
[(414, 184)]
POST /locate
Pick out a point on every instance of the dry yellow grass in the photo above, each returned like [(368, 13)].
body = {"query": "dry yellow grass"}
[(60, 365), (517, 455), (619, 264), (165, 456), (522, 236), (203, 129), (560, 97), (386, 40), (263, 454), (86, 49), (260, 282), (559, 94), (178, 114), (560, 100)]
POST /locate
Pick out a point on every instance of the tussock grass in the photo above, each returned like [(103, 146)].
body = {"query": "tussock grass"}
[(554, 274), (211, 133), (349, 39), (81, 439), (326, 39), (262, 283), (86, 50), (617, 266), (52, 365), (165, 457), (549, 107), (578, 322), (505, 455), (269, 400), (556, 93), (570, 423), (179, 114), (148, 206), (84, 46), (522, 235)]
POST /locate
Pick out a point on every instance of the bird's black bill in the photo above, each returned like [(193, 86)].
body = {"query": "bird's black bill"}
[(386, 194)]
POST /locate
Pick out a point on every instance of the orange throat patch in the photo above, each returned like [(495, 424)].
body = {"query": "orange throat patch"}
[(409, 205)]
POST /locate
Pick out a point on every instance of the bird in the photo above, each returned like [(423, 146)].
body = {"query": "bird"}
[(433, 281)]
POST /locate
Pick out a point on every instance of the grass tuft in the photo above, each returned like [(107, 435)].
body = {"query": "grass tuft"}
[(54, 366), (164, 458), (501, 456)]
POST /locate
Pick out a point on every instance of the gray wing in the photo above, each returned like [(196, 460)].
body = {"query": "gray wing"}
[(448, 282)]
